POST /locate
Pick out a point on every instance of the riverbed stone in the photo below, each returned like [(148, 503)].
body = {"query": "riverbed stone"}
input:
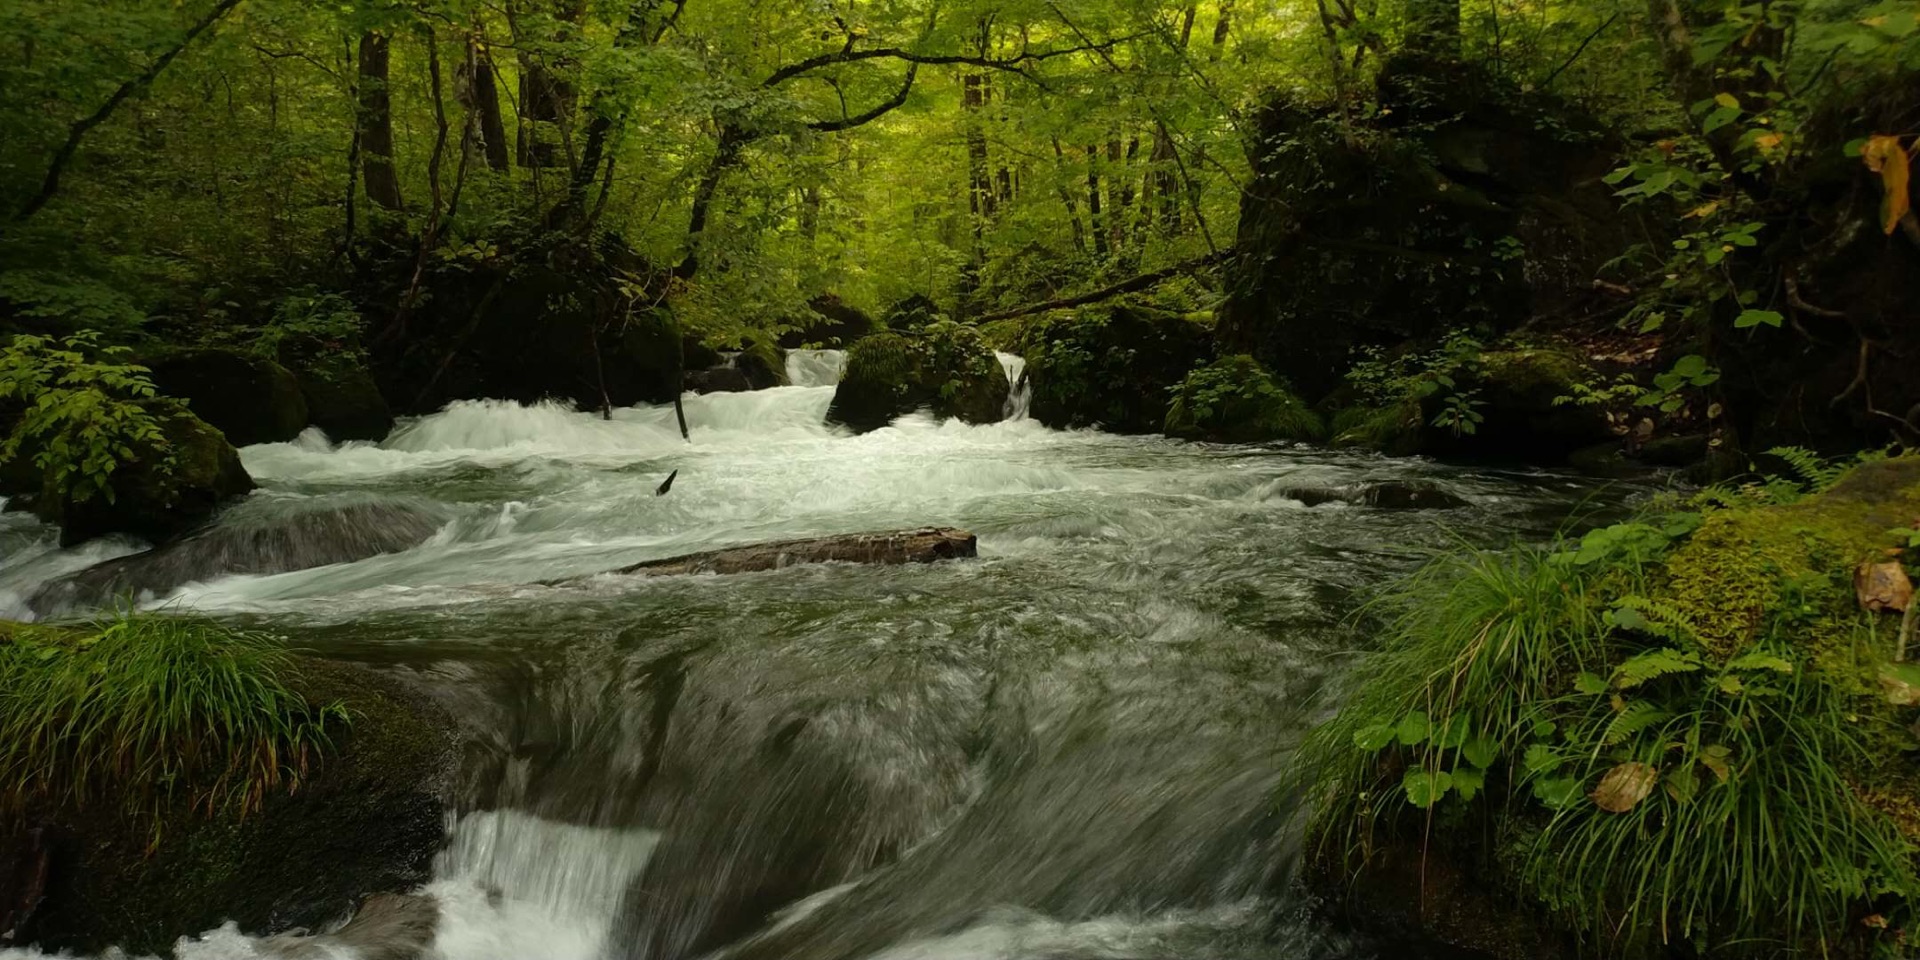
[(946, 367)]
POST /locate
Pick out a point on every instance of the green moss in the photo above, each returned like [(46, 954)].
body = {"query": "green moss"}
[(1676, 720), (1393, 430), (1113, 366), (945, 367), (1235, 400), (762, 360)]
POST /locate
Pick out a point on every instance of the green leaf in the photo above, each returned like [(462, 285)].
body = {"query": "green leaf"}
[(1653, 665), (1425, 787), (1480, 750), (1690, 366), (1760, 660), (1373, 736), (1557, 793), (1540, 758), (1451, 734), (1590, 684), (1467, 782), (1755, 318), (1414, 728)]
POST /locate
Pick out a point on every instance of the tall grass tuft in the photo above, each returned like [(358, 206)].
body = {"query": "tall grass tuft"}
[(1648, 788), (143, 709)]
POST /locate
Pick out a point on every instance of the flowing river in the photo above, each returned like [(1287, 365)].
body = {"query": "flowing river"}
[(1070, 747)]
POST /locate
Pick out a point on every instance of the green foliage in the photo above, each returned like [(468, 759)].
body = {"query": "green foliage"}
[(142, 710), (312, 316), (1235, 400), (1437, 377), (945, 366), (86, 412), (48, 302), (1676, 713)]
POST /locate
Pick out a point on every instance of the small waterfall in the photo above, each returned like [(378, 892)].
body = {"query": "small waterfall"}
[(1021, 394), (815, 368)]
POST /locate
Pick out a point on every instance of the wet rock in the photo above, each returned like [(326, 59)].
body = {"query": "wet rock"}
[(1112, 366), (342, 397), (720, 379), (368, 818), (1384, 495), (276, 538), (248, 397), (947, 368), (157, 499), (388, 926)]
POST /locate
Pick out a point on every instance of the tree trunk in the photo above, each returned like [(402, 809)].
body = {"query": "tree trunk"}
[(925, 545), (484, 100), (547, 97), (1066, 197), (376, 123), (1093, 202)]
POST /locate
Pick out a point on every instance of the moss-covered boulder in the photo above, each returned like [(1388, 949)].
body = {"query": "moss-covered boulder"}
[(244, 395), (367, 818), (762, 361), (1113, 366), (157, 494), (342, 397), (1235, 400), (1523, 397), (1718, 680), (946, 368), (912, 312)]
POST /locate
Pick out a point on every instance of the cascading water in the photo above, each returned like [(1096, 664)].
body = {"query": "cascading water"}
[(1071, 747), (1020, 389)]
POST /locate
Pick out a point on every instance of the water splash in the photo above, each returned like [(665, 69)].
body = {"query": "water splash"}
[(1020, 392), (815, 368)]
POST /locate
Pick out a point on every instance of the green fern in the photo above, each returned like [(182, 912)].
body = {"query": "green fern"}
[(1636, 716), (1653, 665)]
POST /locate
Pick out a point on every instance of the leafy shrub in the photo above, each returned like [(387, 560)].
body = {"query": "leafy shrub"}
[(1236, 400), (86, 412), (50, 302), (945, 366), (144, 709), (1437, 377), (1669, 718), (309, 316)]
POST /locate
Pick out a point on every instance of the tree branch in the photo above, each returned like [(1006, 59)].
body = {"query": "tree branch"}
[(61, 158), (848, 123), (1011, 65), (1128, 285)]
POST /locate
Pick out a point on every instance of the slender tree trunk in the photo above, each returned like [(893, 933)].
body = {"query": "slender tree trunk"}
[(547, 96), (1433, 27), (1066, 198), (1223, 26), (376, 123), (484, 91), (732, 141), (1093, 202), (980, 196)]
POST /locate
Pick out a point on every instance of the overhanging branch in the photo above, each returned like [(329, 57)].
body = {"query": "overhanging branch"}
[(1011, 64), (848, 123)]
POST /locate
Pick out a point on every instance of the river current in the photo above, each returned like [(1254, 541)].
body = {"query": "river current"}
[(1069, 747)]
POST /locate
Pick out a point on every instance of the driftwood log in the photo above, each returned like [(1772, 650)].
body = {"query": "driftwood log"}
[(924, 545)]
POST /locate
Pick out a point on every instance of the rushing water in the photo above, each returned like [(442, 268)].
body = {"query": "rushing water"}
[(1067, 748)]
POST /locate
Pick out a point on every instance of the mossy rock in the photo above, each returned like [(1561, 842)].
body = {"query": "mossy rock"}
[(1516, 390), (368, 818), (248, 397), (158, 494), (1113, 366), (342, 398), (1392, 429), (946, 368), (762, 361), (1235, 400)]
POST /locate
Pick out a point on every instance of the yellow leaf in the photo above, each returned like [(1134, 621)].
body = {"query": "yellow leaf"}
[(1884, 156), (1768, 143), (1704, 210), (1623, 787), (1879, 21), (1727, 100)]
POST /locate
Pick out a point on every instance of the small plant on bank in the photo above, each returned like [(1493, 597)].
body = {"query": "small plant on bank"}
[(1438, 376), (86, 412), (143, 710), (1672, 722), (1236, 400)]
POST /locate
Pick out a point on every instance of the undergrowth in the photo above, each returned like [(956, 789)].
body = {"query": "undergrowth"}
[(1235, 400), (1667, 766), (142, 710)]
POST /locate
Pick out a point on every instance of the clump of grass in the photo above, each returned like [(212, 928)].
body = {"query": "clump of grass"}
[(1653, 784), (143, 709)]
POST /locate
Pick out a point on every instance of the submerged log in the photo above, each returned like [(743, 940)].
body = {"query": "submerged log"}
[(924, 545)]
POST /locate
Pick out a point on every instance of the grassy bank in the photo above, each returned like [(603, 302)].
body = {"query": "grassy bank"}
[(1687, 731), (144, 710)]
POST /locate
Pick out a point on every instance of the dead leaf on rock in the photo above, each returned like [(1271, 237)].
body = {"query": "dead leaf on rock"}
[(1623, 787), (1883, 586)]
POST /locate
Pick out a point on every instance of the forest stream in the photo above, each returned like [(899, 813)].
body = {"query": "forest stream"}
[(1070, 747)]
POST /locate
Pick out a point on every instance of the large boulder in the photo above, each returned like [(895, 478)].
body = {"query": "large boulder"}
[(1458, 208), (244, 395), (157, 494), (1524, 399), (1111, 366), (368, 818), (946, 368), (342, 397), (257, 536)]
